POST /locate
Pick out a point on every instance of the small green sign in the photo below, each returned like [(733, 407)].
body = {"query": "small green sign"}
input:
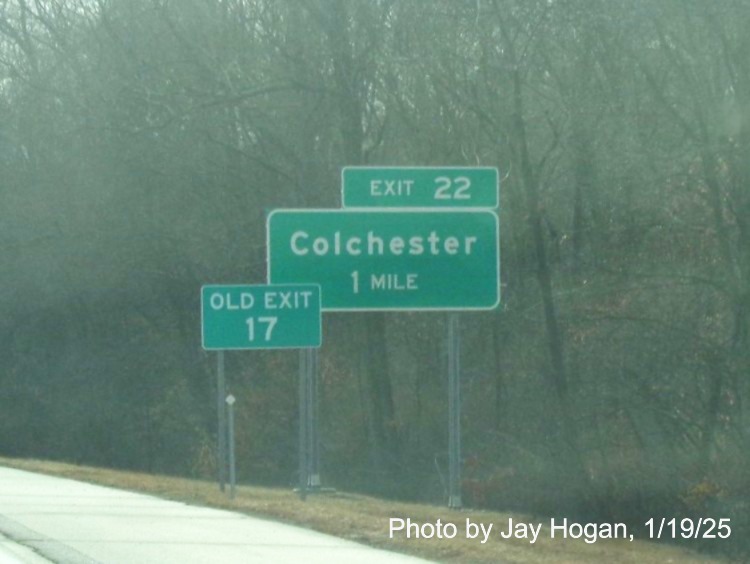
[(419, 187), (389, 260), (260, 316)]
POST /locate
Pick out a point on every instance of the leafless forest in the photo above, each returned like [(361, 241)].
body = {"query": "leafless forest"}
[(144, 142)]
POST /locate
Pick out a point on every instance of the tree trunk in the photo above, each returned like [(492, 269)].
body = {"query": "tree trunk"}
[(384, 438), (572, 478)]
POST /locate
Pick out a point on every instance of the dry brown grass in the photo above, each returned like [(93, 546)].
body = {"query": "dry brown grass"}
[(366, 519)]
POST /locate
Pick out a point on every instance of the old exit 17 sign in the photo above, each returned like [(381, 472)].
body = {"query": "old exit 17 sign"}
[(260, 316), (388, 260)]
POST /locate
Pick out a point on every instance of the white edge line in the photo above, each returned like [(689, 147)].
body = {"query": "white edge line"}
[(413, 309), (424, 209), (379, 210), (422, 167), (343, 192), (277, 348)]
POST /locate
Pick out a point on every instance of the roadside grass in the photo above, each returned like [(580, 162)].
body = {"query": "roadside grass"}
[(366, 520)]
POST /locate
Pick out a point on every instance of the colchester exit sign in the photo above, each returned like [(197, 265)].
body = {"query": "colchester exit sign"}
[(388, 259)]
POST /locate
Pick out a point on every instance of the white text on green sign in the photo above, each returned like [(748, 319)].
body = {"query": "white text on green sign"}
[(260, 316), (388, 260), (419, 187)]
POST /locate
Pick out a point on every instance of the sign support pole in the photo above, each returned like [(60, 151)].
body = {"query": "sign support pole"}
[(454, 413), (303, 414), (313, 427), (309, 443), (232, 471), (221, 413)]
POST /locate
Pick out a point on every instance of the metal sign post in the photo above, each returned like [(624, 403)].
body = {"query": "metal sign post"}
[(303, 408), (454, 413), (309, 438), (309, 441), (221, 413), (312, 412), (230, 415)]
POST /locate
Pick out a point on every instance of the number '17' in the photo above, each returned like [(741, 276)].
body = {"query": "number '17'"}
[(270, 323)]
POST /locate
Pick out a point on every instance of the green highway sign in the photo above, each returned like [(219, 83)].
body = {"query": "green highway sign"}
[(389, 260), (419, 187), (260, 316)]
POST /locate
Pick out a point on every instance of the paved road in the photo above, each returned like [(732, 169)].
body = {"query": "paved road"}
[(14, 553), (43, 518)]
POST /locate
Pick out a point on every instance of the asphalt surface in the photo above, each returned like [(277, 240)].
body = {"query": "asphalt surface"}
[(14, 553), (48, 519)]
